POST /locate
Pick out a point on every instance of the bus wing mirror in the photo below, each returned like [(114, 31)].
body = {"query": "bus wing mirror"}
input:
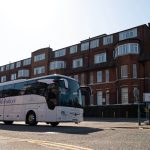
[(66, 83)]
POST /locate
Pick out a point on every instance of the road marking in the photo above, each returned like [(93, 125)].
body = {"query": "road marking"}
[(54, 145), (59, 145)]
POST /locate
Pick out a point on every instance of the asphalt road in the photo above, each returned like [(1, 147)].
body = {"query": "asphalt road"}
[(91, 134)]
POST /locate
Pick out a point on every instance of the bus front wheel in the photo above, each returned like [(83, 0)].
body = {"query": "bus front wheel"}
[(54, 124), (8, 122), (31, 118)]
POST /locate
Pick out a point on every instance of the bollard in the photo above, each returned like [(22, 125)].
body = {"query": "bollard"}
[(126, 114), (114, 114), (102, 114)]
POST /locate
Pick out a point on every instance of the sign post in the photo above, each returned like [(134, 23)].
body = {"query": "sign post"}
[(136, 95)]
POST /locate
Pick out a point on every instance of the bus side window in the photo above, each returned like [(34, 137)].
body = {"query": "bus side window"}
[(19, 88), (41, 88), (1, 90)]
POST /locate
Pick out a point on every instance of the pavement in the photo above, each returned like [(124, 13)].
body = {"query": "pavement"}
[(131, 123)]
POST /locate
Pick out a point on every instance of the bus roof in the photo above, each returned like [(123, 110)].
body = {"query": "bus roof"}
[(42, 77)]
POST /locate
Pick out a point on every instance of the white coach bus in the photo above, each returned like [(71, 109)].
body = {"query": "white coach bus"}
[(51, 99)]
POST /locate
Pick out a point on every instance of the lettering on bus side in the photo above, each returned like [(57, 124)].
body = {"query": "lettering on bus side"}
[(7, 101)]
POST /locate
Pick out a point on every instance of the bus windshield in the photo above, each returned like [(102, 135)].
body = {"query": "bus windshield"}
[(70, 96), (60, 94)]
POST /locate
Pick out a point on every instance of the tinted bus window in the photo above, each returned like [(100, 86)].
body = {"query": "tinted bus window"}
[(71, 96), (1, 90), (19, 88)]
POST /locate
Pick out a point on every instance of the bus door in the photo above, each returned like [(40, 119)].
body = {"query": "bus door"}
[(51, 97)]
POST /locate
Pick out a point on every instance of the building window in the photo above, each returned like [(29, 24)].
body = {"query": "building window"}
[(134, 69), (91, 77), (99, 76), (130, 48), (23, 73), (107, 75), (107, 97), (124, 95), (13, 76), (39, 57), (18, 64), (7, 67), (76, 77), (94, 43), (84, 46), (2, 68), (12, 66), (99, 97), (77, 63), (3, 79), (107, 40), (60, 53), (73, 49), (82, 79), (124, 71), (39, 70), (99, 58), (128, 34), (27, 62), (57, 65)]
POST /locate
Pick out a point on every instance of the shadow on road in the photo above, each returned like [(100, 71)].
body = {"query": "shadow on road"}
[(48, 128)]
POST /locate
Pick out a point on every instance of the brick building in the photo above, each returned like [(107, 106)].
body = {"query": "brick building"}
[(112, 65)]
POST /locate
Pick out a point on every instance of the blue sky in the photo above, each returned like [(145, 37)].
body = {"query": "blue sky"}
[(28, 25)]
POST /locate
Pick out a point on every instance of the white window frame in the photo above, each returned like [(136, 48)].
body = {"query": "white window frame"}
[(108, 40), (78, 63), (57, 65), (91, 77), (99, 76), (2, 68), (128, 34), (94, 43), (73, 49), (82, 78), (8, 67), (3, 79), (18, 64), (84, 46), (39, 57), (134, 70), (99, 98), (27, 62), (107, 75), (60, 53), (12, 66), (124, 71), (124, 95), (39, 70), (125, 49), (100, 58), (13, 76), (23, 73)]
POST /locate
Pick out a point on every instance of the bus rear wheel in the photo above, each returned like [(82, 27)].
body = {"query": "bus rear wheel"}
[(31, 118), (8, 122), (54, 124)]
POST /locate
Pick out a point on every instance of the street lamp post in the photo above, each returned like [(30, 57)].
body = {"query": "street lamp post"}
[(136, 95)]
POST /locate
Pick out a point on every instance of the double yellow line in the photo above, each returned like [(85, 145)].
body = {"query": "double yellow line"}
[(47, 144), (56, 145)]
